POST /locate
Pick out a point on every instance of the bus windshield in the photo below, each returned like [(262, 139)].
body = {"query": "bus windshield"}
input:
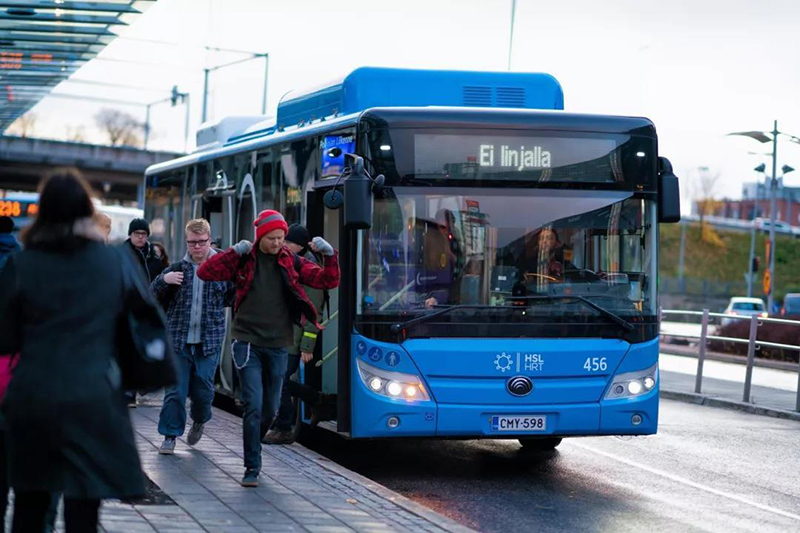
[(521, 251)]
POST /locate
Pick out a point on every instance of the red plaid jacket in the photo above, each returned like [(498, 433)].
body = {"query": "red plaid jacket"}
[(229, 266)]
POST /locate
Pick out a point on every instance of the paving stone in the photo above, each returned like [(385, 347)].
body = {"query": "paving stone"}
[(298, 490)]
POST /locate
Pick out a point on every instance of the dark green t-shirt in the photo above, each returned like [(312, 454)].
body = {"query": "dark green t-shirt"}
[(263, 317)]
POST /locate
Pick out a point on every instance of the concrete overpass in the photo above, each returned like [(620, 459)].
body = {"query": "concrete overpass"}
[(116, 173)]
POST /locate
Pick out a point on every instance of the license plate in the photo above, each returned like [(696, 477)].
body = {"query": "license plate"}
[(516, 424)]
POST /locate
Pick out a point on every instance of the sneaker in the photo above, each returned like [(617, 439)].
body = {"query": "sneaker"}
[(250, 478), (168, 446), (279, 436), (195, 434)]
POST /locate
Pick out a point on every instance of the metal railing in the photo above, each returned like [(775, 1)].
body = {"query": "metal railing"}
[(752, 343)]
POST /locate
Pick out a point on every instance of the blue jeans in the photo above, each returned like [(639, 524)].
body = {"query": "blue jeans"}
[(261, 373), (195, 380)]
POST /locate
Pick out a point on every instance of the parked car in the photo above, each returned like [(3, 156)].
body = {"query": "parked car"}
[(745, 307), (791, 304)]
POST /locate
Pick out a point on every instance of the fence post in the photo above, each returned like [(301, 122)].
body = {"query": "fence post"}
[(701, 357), (797, 404), (751, 353)]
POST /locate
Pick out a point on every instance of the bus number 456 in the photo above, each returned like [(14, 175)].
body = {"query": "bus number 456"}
[(595, 364)]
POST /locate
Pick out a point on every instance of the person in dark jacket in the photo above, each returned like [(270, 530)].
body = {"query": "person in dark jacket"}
[(302, 349), (69, 431), (8, 243), (138, 233), (269, 299), (196, 322)]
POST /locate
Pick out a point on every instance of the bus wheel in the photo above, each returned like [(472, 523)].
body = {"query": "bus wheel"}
[(549, 443)]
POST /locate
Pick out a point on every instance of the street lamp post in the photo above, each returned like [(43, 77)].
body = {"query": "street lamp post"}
[(764, 137), (511, 33), (207, 71)]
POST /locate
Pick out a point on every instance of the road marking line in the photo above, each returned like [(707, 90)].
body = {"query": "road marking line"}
[(685, 481)]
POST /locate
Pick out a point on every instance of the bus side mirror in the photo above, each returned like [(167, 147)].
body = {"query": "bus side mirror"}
[(358, 197), (333, 199), (669, 196)]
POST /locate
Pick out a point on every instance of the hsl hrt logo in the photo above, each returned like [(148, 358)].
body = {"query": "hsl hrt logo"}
[(530, 362)]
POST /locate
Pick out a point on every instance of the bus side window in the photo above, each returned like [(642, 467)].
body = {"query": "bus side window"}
[(264, 179)]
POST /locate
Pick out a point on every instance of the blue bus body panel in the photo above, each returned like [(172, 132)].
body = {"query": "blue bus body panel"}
[(467, 378), (369, 87), (459, 370)]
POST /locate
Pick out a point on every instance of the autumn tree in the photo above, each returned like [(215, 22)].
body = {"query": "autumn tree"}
[(705, 191), (122, 128)]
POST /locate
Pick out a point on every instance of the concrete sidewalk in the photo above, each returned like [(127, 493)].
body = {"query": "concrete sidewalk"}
[(299, 490), (772, 393)]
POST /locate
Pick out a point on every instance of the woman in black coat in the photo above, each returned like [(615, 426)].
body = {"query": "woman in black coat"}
[(68, 426)]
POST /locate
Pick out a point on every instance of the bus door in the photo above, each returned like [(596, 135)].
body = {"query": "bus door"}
[(325, 222), (216, 204)]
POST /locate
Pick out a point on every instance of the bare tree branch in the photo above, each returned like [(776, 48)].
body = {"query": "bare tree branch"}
[(122, 129)]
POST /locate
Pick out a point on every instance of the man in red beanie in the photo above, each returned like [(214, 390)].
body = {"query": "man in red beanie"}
[(269, 300)]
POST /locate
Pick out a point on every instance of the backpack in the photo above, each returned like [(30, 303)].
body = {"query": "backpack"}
[(326, 297)]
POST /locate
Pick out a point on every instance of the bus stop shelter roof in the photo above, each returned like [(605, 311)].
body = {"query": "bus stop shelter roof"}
[(42, 42)]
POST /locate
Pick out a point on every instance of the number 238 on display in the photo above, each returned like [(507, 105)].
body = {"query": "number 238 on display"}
[(595, 364)]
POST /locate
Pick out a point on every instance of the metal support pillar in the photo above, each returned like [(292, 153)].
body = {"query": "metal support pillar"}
[(266, 75), (681, 258), (751, 354), (772, 207), (206, 73), (701, 356), (751, 258), (147, 126)]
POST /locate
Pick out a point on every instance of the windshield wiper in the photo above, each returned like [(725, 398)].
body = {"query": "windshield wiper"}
[(616, 318), (425, 318)]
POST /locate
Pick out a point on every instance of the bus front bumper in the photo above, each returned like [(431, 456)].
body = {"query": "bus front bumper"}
[(628, 416)]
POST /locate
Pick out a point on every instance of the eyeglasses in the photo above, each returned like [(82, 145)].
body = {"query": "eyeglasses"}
[(139, 233), (196, 244)]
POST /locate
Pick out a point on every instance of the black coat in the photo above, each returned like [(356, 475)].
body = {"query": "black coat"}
[(68, 425), (151, 264)]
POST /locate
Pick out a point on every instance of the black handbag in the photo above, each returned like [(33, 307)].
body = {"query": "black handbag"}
[(144, 351)]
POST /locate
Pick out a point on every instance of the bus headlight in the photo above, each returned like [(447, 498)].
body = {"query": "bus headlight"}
[(633, 384), (392, 384)]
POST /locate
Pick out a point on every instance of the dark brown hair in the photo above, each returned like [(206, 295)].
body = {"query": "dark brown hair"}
[(64, 198)]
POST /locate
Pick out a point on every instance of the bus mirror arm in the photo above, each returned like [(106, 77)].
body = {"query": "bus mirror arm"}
[(334, 199)]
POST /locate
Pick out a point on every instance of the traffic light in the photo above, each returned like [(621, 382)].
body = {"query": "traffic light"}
[(756, 264)]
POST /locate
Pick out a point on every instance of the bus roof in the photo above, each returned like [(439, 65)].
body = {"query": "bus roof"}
[(368, 87)]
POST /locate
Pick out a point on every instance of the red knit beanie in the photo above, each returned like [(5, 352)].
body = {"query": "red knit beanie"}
[(267, 221)]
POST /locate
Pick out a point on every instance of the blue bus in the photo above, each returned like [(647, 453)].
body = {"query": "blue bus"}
[(499, 255)]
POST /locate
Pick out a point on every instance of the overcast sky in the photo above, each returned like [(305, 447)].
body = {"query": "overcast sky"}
[(698, 68)]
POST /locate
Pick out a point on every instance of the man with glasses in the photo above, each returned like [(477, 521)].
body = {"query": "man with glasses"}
[(196, 321), (138, 232)]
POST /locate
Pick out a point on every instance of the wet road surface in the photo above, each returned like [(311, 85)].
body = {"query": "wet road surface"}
[(707, 470)]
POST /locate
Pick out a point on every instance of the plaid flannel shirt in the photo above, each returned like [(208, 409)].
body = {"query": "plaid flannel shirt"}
[(229, 266), (216, 297)]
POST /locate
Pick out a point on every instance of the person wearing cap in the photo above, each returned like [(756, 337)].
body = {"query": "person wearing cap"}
[(138, 233), (302, 348), (8, 243), (270, 299)]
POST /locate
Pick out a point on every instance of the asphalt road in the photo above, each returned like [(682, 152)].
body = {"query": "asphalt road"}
[(707, 469)]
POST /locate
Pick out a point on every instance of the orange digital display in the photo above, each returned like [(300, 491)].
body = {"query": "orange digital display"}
[(17, 208), (10, 208)]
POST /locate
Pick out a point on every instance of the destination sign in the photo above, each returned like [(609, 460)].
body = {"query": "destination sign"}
[(474, 156)]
